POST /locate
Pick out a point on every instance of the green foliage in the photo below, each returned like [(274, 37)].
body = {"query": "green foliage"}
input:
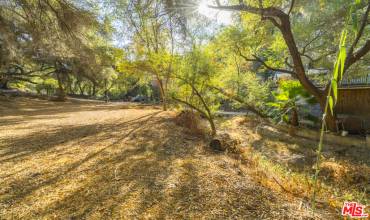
[(338, 72), (47, 86), (331, 101), (289, 96), (197, 70), (122, 45), (250, 88)]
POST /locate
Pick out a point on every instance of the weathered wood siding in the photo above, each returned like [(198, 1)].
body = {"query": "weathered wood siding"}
[(354, 101)]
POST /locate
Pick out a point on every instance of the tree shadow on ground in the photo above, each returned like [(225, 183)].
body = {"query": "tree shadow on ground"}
[(27, 152), (142, 168), (146, 182), (20, 110), (20, 147)]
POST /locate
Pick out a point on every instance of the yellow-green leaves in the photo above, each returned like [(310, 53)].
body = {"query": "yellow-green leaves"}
[(342, 58), (338, 70), (331, 104), (334, 86), (339, 66), (342, 52)]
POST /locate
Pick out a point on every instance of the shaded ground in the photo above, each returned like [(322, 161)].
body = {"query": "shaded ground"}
[(112, 161)]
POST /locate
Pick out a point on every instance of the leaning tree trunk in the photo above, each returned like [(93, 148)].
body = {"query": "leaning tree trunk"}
[(212, 123), (281, 20), (300, 72)]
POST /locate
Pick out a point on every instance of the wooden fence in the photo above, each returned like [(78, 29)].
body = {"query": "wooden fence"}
[(353, 108), (365, 80), (354, 100)]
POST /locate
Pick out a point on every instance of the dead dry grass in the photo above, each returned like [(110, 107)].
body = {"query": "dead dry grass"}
[(284, 163), (193, 123), (113, 161)]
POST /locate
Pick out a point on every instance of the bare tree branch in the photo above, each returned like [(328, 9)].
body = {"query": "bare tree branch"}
[(23, 79), (209, 114), (257, 59), (238, 99), (291, 7), (314, 60), (270, 11), (272, 68), (352, 56), (287, 63), (191, 106), (361, 30), (310, 42)]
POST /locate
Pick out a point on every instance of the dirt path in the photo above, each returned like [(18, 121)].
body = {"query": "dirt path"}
[(101, 161)]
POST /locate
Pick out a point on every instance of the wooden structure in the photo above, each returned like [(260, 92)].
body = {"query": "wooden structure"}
[(354, 100), (354, 107)]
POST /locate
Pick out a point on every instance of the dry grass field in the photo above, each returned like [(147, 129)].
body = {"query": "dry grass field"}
[(95, 160)]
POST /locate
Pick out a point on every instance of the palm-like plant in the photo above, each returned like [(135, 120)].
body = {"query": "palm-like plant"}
[(289, 97)]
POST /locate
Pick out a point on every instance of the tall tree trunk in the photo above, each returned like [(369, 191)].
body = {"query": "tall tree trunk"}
[(297, 61), (106, 91), (281, 20), (162, 92), (294, 117), (61, 93), (330, 120), (89, 90), (300, 72), (69, 88), (93, 90), (81, 88), (4, 84)]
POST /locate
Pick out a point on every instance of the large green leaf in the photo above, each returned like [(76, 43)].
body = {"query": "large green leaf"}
[(334, 86), (342, 58), (331, 104), (336, 70)]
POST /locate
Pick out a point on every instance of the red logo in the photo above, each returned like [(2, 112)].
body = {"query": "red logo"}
[(354, 210)]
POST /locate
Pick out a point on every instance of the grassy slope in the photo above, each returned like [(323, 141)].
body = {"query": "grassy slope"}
[(285, 163)]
